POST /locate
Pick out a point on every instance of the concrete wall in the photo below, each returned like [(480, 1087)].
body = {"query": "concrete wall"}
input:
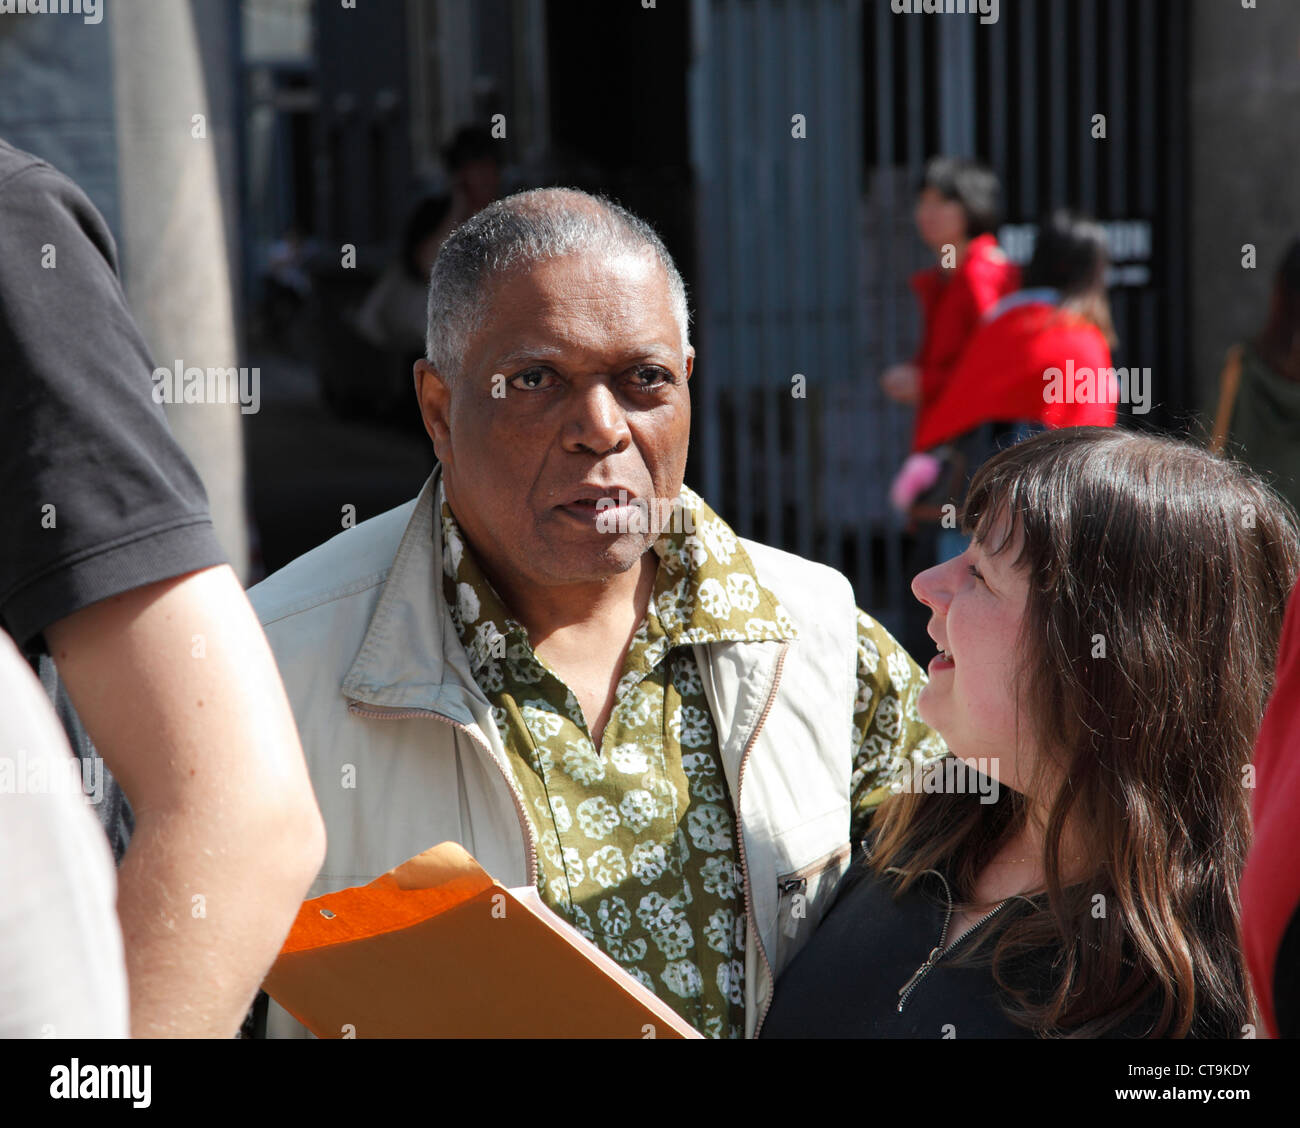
[(1244, 134)]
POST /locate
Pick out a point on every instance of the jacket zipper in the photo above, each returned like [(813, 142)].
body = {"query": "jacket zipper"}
[(530, 845), (937, 953), (740, 836)]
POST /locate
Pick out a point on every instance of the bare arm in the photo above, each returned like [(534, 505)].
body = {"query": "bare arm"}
[(177, 688)]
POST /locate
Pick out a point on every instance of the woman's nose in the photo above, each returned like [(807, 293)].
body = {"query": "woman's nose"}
[(932, 587)]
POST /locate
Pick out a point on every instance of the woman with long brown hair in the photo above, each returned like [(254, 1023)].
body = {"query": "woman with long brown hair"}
[(1106, 652)]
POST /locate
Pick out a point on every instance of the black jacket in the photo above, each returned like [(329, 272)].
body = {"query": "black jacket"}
[(881, 968)]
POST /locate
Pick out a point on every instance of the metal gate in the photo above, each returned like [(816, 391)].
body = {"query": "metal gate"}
[(805, 237)]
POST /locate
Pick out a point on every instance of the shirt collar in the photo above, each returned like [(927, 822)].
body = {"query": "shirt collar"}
[(706, 589)]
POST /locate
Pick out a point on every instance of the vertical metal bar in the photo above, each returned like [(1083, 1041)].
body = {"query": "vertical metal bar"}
[(998, 100), (1088, 14), (704, 113), (1175, 396), (1028, 110), (1060, 129), (1151, 38), (956, 62), (773, 145)]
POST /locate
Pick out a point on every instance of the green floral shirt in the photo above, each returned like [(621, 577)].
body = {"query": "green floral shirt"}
[(637, 839)]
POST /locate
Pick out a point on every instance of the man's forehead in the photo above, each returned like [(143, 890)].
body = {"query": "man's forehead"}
[(618, 302)]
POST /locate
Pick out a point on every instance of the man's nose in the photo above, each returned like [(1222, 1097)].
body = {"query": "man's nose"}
[(598, 422)]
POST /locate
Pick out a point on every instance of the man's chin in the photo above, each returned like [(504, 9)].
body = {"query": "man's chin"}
[(605, 557)]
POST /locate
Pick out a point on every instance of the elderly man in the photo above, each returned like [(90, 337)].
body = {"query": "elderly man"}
[(563, 659)]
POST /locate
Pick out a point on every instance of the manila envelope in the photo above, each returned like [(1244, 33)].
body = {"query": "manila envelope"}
[(435, 948)]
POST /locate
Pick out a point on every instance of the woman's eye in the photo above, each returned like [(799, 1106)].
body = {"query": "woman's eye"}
[(975, 572), (531, 379)]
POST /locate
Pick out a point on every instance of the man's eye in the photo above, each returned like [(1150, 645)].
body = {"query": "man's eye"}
[(651, 376), (531, 379)]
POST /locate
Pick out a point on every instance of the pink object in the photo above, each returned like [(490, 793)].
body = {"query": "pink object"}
[(917, 474)]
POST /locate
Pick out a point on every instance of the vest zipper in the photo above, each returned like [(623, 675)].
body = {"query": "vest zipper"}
[(937, 953), (530, 845), (740, 837)]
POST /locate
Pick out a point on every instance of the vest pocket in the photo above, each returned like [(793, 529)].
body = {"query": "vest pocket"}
[(803, 896)]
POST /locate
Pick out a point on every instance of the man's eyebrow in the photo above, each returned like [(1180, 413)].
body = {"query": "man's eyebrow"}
[(538, 352), (654, 352)]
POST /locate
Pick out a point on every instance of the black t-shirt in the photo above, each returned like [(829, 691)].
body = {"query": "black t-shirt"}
[(97, 497), (846, 982)]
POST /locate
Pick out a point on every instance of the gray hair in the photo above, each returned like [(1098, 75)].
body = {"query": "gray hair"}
[(517, 232)]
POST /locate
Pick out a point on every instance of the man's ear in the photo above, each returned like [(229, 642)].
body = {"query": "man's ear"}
[(434, 397), (690, 361)]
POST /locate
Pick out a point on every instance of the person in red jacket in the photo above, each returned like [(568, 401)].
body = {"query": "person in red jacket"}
[(956, 214), (1270, 885), (1015, 368)]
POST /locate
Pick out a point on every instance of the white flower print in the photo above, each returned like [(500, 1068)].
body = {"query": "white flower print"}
[(555, 810), (649, 861), (694, 554), (574, 710), (560, 890), (467, 603), (676, 940), (665, 797), (582, 763), (692, 726), (686, 676), (597, 817), (642, 977), (573, 866), (454, 548), (868, 653), (614, 916), (720, 929), (731, 981), (683, 978), (889, 718), (760, 628), (607, 866), (713, 599), (638, 809), (633, 709), (785, 624), (542, 720), (875, 752), (630, 759), (702, 773), (549, 841), (721, 541), (709, 828), (674, 606), (720, 876), (742, 591), (523, 667), (582, 922), (900, 672)]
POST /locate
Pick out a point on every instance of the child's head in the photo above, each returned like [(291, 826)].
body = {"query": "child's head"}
[(958, 200)]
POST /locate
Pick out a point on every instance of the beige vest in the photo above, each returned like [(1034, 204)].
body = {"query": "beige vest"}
[(403, 752)]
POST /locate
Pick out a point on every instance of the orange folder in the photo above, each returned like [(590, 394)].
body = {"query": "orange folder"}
[(435, 948)]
